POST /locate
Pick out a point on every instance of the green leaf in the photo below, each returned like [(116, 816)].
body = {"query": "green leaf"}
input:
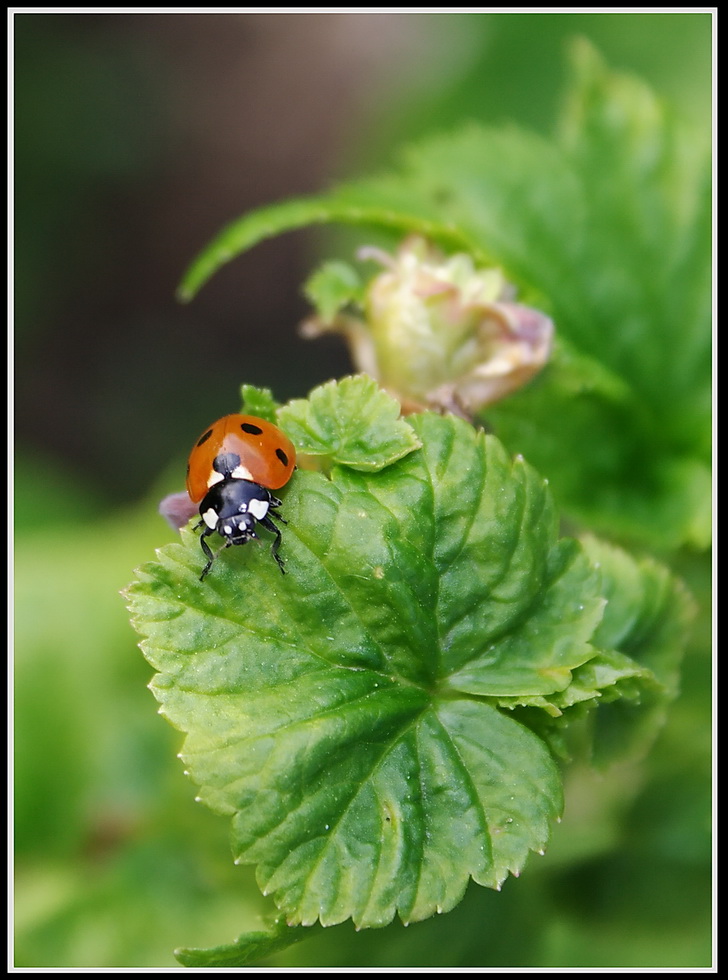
[(647, 619), (351, 422), (333, 714), (607, 676), (634, 675), (648, 178), (248, 948), (648, 611), (377, 204), (612, 229), (260, 402), (332, 287), (642, 309)]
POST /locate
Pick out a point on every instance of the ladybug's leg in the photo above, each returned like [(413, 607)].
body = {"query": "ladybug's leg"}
[(275, 503), (206, 549), (268, 523)]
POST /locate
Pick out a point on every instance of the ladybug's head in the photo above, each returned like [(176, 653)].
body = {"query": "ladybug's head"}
[(232, 507), (237, 529)]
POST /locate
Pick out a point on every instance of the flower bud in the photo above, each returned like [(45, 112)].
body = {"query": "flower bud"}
[(439, 333)]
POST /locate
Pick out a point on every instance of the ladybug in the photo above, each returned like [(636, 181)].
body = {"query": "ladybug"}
[(233, 466)]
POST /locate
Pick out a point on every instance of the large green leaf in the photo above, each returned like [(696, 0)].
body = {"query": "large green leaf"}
[(339, 714)]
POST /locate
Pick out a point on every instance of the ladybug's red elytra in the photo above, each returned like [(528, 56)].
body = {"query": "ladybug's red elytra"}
[(232, 468)]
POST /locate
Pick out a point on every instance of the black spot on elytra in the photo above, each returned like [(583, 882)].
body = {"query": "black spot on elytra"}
[(254, 430), (282, 457), (203, 439)]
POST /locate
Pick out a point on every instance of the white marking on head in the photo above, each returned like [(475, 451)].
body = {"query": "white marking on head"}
[(258, 508), (210, 518), (242, 473), (214, 478), (227, 529)]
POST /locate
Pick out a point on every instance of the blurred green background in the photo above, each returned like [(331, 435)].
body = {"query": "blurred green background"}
[(136, 137)]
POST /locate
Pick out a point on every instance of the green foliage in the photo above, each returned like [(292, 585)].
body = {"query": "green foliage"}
[(436, 643), (123, 866), (647, 617), (607, 226), (356, 717)]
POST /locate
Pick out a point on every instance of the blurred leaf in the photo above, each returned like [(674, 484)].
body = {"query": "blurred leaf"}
[(640, 305), (71, 652), (248, 948), (647, 617), (634, 676), (388, 208), (648, 182), (606, 462)]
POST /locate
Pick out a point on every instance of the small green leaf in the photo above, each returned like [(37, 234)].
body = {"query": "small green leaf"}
[(351, 422), (648, 611), (633, 678), (647, 619), (332, 287), (248, 948), (260, 402), (607, 676), (336, 714)]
